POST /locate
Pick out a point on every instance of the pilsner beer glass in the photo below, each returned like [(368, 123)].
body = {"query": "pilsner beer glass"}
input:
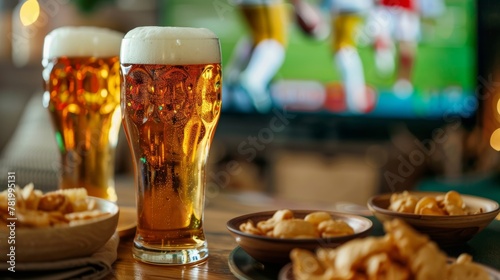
[(82, 94), (171, 102)]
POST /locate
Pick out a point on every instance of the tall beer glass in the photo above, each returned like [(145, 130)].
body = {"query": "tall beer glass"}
[(82, 94), (171, 101)]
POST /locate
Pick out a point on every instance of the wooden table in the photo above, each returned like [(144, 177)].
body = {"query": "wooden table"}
[(485, 247), (218, 211)]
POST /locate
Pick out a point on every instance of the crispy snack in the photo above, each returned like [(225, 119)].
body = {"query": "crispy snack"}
[(294, 228), (316, 218), (267, 226), (403, 202), (35, 209), (464, 269), (428, 206), (283, 225), (332, 228), (309, 267), (449, 204), (249, 227), (401, 254)]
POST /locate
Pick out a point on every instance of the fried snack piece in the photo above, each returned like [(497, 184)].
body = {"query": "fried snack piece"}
[(249, 227), (453, 203), (33, 218), (295, 228), (283, 225), (404, 237), (333, 228), (31, 196), (449, 204), (418, 250), (428, 206), (78, 198), (305, 265), (403, 202), (316, 218), (57, 208), (381, 266), (428, 263), (464, 269), (348, 259), (55, 202), (267, 226), (16, 195), (339, 264), (402, 254), (4, 202), (76, 218)]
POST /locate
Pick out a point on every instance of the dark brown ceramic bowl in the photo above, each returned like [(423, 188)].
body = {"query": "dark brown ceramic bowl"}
[(445, 230), (276, 250)]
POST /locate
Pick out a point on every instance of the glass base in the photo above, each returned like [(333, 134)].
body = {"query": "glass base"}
[(162, 256)]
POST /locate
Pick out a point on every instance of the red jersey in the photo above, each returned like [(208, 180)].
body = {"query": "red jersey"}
[(405, 4)]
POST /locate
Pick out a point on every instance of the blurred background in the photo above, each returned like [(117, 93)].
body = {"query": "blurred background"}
[(322, 100)]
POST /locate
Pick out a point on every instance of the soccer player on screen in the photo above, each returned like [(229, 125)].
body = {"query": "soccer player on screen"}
[(258, 57), (398, 35), (401, 23), (347, 19)]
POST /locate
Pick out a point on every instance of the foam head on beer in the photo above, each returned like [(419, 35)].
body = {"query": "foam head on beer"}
[(170, 45), (82, 41)]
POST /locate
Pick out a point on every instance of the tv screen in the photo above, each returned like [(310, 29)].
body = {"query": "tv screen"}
[(388, 59)]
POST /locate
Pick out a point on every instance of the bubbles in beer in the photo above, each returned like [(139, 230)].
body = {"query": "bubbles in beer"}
[(166, 93), (88, 84), (210, 81), (172, 111)]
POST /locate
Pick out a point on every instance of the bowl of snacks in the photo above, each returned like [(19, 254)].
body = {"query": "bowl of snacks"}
[(403, 253), (269, 236), (449, 218), (57, 225)]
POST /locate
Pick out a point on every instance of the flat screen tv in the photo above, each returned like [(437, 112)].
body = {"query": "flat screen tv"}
[(361, 64)]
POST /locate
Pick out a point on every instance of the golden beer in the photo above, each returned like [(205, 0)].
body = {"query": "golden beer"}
[(82, 95), (171, 101)]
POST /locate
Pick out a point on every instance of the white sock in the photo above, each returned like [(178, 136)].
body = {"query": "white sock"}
[(239, 60), (267, 58), (353, 78)]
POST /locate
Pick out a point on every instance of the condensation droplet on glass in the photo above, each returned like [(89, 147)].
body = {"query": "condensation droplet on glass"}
[(104, 93), (150, 109)]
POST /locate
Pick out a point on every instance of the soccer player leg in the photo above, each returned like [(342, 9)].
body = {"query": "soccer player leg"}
[(266, 60)]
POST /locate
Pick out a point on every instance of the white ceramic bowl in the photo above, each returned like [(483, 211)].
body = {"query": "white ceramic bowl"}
[(57, 243)]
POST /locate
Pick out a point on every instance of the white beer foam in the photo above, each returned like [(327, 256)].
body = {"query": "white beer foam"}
[(170, 45), (81, 41)]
